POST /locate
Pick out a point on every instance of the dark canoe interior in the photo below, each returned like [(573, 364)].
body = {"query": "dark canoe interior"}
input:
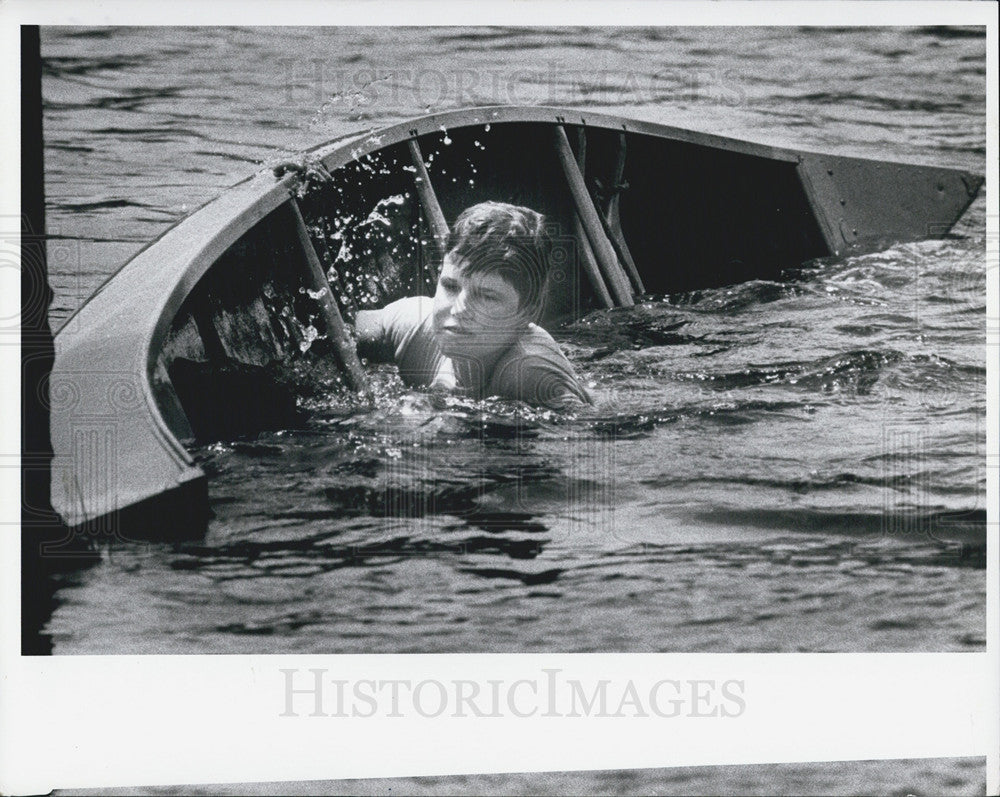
[(692, 215)]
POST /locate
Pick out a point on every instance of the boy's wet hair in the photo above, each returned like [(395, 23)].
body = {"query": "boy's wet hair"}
[(509, 240)]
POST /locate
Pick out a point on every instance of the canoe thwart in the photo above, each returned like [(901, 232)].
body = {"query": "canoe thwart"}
[(428, 199), (586, 254), (589, 218), (609, 212), (344, 348)]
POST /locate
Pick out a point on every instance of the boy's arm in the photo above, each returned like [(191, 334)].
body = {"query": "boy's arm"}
[(542, 381), (380, 333), (370, 331)]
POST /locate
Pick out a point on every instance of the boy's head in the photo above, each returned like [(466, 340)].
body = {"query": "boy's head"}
[(492, 279), (511, 241)]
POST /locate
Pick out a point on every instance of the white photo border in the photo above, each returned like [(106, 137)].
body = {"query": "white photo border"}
[(93, 721)]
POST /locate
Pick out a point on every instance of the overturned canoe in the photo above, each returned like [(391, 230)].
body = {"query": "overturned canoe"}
[(182, 342)]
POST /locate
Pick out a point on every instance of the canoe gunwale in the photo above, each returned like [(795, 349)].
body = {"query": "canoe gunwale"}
[(332, 154), (139, 326)]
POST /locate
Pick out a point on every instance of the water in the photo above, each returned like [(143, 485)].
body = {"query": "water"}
[(769, 466)]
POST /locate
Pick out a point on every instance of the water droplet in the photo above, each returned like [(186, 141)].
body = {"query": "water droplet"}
[(310, 334)]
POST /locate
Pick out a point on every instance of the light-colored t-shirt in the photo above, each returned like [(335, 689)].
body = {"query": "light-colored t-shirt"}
[(533, 369)]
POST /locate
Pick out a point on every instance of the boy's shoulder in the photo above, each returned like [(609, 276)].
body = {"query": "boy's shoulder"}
[(535, 369), (409, 308), (535, 341), (404, 318)]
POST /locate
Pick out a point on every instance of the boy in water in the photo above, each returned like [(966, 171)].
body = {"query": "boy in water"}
[(478, 333)]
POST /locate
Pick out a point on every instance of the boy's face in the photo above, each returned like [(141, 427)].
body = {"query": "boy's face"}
[(475, 315)]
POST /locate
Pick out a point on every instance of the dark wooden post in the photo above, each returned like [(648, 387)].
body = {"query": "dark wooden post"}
[(428, 200), (586, 253), (612, 219), (47, 545), (589, 218), (343, 347)]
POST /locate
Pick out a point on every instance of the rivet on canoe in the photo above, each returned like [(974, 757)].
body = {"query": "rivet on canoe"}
[(843, 201), (830, 172)]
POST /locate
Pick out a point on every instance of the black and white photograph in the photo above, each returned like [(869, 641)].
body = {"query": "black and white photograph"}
[(456, 339)]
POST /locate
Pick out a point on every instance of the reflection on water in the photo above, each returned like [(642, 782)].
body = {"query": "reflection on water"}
[(773, 466)]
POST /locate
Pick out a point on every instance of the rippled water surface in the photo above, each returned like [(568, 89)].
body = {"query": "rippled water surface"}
[(794, 466)]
